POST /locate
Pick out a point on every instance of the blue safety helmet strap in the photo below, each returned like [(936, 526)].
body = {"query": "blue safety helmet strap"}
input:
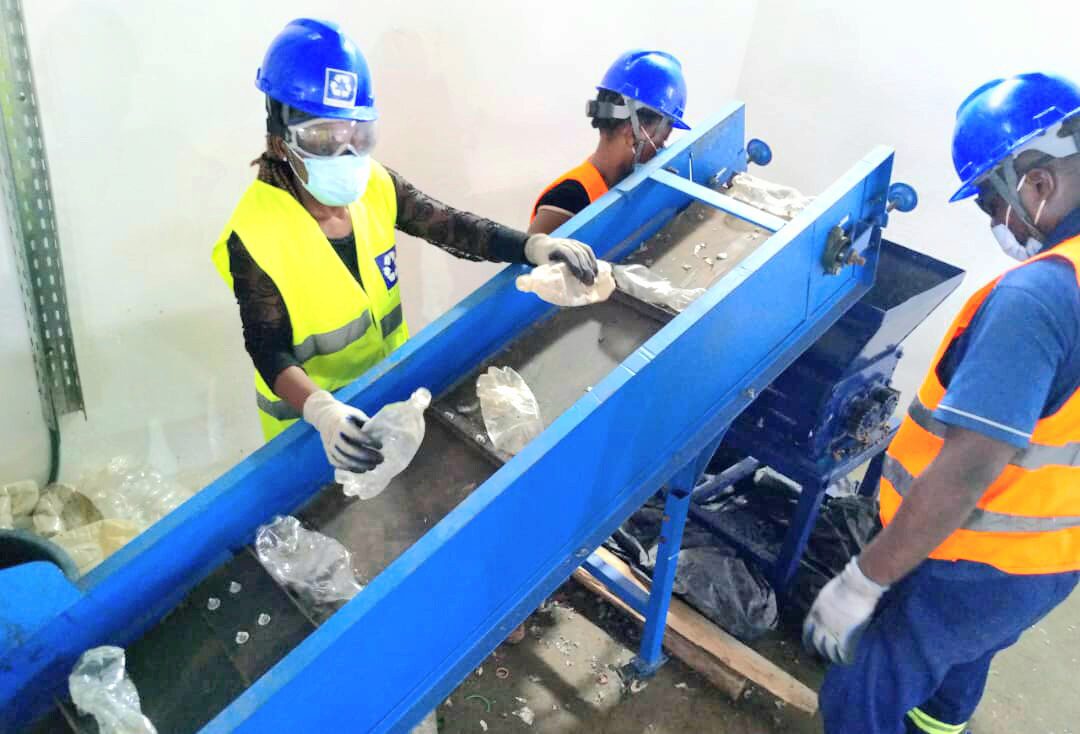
[(653, 79), (1006, 117), (312, 66)]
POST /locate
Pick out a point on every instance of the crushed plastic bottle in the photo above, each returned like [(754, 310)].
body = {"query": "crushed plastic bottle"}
[(91, 544), (100, 687), (61, 508), (555, 284), (400, 428), (776, 199), (128, 490), (23, 496), (313, 565), (511, 413), (643, 284)]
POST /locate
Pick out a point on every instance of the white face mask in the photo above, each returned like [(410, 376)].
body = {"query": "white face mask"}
[(1007, 240), (337, 181), (1012, 247)]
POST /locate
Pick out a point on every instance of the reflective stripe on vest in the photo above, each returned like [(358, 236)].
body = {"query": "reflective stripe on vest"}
[(391, 321), (341, 327), (333, 341), (980, 519), (585, 174), (1028, 519), (927, 723), (1035, 456)]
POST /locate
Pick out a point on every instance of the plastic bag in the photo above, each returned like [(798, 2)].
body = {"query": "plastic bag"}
[(555, 284), (509, 408), (400, 427), (710, 576), (643, 284), (844, 528), (91, 544), (127, 490), (61, 509), (762, 512), (720, 585), (315, 566), (100, 687), (23, 496), (776, 199)]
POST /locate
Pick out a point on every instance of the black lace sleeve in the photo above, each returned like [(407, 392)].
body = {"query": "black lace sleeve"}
[(267, 329), (462, 234)]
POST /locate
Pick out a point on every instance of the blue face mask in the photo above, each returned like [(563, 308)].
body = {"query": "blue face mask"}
[(337, 181)]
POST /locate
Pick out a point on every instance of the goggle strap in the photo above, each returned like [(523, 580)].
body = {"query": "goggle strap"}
[(606, 110)]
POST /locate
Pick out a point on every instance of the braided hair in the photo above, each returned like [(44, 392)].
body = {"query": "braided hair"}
[(273, 163)]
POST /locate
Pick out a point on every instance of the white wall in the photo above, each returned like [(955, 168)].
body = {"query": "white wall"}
[(23, 429), (151, 118), (824, 81)]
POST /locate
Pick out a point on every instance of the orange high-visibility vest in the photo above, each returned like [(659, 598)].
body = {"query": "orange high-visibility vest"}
[(1028, 520), (587, 175)]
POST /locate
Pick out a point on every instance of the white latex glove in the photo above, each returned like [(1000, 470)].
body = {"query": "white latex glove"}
[(346, 446), (541, 249), (841, 612)]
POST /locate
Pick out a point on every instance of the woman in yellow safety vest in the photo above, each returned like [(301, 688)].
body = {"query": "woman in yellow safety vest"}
[(309, 250)]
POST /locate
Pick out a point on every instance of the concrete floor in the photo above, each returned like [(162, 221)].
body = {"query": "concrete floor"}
[(564, 674)]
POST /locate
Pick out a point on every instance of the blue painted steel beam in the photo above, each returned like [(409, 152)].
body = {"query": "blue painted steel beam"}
[(627, 591), (651, 656), (710, 490), (723, 202)]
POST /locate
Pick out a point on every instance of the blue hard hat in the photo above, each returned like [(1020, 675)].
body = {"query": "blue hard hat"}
[(314, 67), (653, 78), (1003, 115)]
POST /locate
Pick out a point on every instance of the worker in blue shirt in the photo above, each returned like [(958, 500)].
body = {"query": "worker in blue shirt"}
[(980, 491)]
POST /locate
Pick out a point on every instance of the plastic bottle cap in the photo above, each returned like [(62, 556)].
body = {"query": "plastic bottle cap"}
[(422, 398)]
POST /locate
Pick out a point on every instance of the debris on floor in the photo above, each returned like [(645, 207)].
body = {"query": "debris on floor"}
[(525, 714)]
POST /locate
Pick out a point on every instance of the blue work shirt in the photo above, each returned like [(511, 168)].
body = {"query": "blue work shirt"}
[(1019, 359)]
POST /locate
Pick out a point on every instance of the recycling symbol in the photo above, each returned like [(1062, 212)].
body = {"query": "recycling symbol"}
[(339, 89), (389, 268), (341, 86)]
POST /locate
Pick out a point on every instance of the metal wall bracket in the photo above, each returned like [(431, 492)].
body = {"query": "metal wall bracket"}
[(24, 177)]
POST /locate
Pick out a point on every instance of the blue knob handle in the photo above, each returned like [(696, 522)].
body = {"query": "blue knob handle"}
[(759, 152), (902, 197)]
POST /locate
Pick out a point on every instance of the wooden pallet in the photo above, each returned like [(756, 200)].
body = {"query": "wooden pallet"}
[(723, 660)]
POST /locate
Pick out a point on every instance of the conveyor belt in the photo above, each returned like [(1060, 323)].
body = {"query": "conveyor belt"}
[(190, 666)]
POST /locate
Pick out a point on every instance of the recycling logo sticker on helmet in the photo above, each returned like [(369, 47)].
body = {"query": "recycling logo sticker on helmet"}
[(339, 89)]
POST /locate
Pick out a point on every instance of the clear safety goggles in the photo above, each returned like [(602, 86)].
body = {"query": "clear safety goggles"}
[(328, 138)]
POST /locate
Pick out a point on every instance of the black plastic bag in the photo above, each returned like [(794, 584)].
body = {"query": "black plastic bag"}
[(710, 576)]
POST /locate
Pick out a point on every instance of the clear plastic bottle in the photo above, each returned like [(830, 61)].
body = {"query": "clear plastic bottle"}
[(400, 427), (645, 285), (555, 284)]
